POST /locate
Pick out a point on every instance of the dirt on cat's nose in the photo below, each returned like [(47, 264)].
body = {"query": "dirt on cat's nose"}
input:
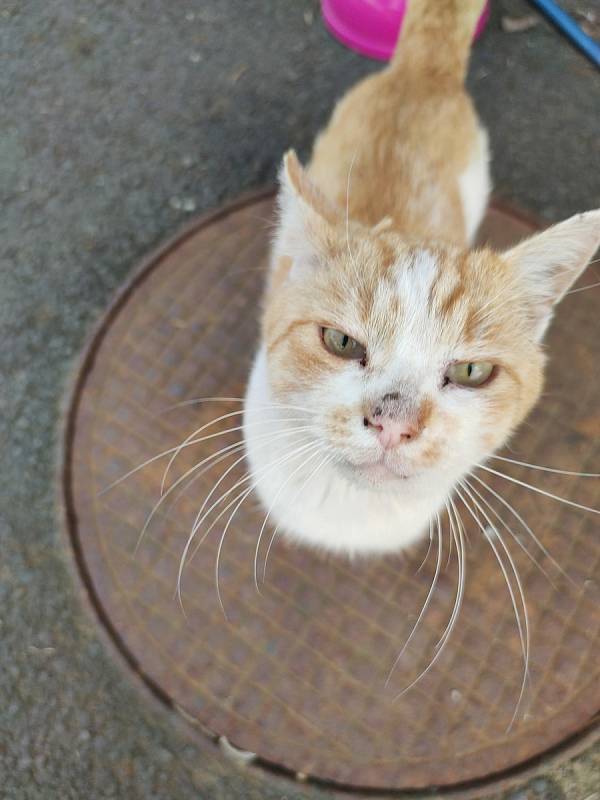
[(392, 431), (395, 419)]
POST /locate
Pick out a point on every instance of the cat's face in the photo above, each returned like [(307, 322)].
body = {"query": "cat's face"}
[(390, 400), (414, 362)]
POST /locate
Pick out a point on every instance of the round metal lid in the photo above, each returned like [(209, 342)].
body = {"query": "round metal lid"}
[(297, 674)]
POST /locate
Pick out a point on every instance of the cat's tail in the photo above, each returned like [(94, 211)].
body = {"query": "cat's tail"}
[(436, 38)]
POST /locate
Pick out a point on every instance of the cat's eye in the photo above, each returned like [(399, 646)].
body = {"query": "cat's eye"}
[(470, 373), (342, 345)]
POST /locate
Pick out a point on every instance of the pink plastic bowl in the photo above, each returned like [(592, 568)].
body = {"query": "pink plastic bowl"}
[(372, 27)]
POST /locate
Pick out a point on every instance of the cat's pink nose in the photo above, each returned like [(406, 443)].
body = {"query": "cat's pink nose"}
[(392, 432)]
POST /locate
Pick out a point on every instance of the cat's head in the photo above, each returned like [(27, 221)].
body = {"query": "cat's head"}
[(414, 360)]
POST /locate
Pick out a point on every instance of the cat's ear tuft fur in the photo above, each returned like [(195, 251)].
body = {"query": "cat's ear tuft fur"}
[(550, 262), (293, 177), (306, 218)]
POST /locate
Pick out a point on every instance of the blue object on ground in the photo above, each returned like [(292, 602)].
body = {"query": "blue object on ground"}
[(567, 25)]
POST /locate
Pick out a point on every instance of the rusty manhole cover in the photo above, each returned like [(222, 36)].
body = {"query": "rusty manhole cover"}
[(297, 674)]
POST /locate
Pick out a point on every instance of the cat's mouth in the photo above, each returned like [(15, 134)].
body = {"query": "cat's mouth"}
[(379, 473)]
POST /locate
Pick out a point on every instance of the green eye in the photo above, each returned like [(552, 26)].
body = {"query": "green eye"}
[(342, 345), (470, 373)]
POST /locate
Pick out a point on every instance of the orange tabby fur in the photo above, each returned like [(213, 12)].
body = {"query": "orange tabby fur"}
[(373, 242), (407, 132)]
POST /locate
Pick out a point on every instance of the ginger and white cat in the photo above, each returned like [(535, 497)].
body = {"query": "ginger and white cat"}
[(393, 359)]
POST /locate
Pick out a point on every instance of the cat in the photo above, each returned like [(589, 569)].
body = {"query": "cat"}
[(393, 359)]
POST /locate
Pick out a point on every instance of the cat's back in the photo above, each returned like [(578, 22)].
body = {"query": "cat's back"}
[(407, 144)]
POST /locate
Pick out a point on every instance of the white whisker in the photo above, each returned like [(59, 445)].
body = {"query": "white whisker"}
[(548, 469), (187, 442), (454, 527), (315, 445), (201, 517), (216, 458), (198, 521), (348, 212), (440, 647), (137, 469), (539, 491), (507, 527), (523, 628), (584, 288), (326, 460), (190, 440), (270, 509), (517, 516), (427, 599), (172, 488), (176, 449), (428, 548), (208, 460), (451, 540), (198, 400)]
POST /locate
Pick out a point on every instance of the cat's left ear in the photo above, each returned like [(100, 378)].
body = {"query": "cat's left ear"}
[(297, 188), (306, 217), (551, 262)]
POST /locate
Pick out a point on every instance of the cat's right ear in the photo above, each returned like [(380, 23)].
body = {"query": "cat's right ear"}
[(306, 220), (550, 262)]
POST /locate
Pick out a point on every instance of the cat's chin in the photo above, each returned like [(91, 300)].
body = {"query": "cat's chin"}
[(376, 475)]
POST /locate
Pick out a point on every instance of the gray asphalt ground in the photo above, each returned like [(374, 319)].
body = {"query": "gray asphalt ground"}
[(119, 119)]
